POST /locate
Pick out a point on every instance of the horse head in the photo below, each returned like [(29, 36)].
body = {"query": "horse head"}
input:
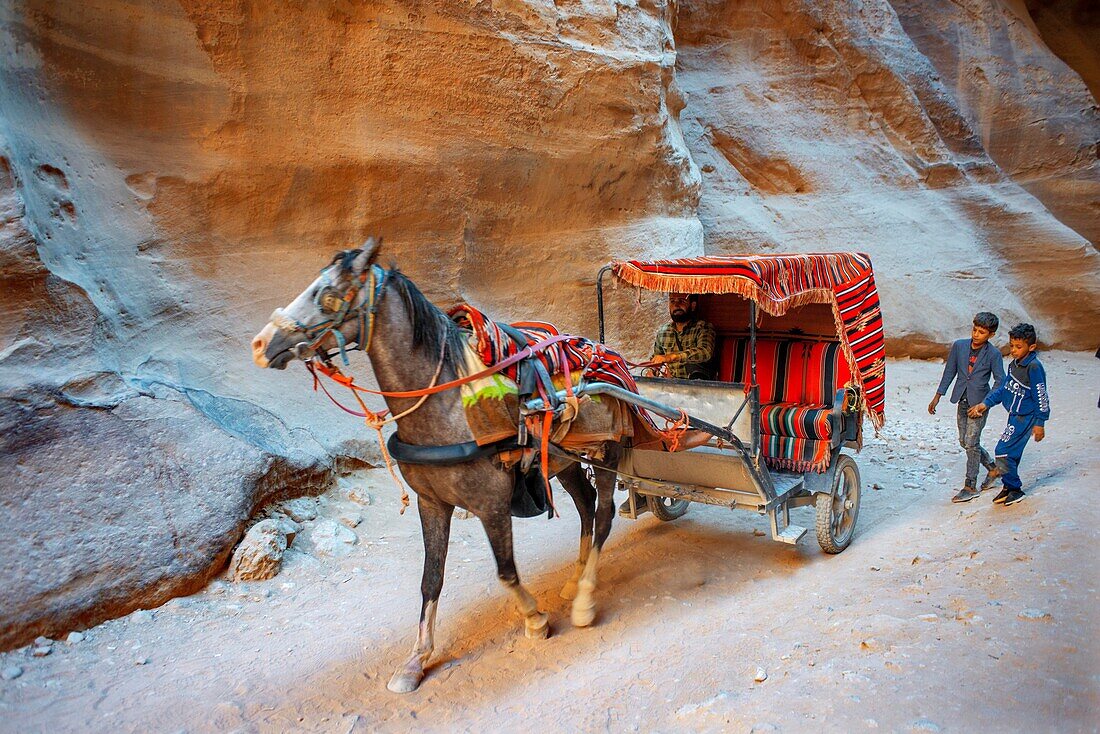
[(329, 314)]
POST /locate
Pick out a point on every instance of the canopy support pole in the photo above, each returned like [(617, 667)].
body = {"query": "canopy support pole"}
[(599, 297)]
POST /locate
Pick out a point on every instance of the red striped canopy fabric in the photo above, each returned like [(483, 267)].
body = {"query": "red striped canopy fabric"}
[(778, 283)]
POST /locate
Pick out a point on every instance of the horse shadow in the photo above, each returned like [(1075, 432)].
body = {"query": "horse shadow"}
[(643, 567)]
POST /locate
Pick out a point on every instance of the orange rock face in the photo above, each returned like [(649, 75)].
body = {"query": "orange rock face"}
[(831, 126), (173, 171)]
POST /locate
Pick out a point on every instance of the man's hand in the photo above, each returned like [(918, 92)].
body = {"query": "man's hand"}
[(664, 358), (933, 404), (977, 411), (1039, 433)]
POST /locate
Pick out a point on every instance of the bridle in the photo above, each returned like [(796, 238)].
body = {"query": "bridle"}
[(339, 308)]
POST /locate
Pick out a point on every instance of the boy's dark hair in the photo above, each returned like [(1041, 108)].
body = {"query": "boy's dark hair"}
[(1024, 332), (987, 321)]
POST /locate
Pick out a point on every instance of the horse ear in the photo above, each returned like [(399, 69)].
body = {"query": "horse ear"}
[(367, 256)]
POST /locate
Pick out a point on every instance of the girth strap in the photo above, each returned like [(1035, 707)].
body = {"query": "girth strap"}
[(455, 453)]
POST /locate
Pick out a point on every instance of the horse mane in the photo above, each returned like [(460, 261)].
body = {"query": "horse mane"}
[(430, 326)]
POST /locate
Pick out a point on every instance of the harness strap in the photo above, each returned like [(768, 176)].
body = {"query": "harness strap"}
[(333, 372), (544, 450)]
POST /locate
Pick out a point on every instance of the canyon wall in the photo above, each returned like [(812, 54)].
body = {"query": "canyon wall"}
[(172, 171)]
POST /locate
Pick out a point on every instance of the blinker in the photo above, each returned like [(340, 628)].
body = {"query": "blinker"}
[(330, 301)]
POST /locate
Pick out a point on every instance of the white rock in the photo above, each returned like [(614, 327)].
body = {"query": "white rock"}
[(301, 509), (928, 617), (260, 554), (42, 651), (141, 615), (332, 539), (141, 661), (75, 637), (42, 641), (761, 675), (11, 672), (359, 496), (289, 527), (351, 518), (1035, 614)]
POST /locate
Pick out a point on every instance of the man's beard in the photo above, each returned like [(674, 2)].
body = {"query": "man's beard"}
[(680, 317)]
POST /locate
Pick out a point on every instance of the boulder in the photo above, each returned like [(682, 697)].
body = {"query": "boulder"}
[(260, 554), (332, 539)]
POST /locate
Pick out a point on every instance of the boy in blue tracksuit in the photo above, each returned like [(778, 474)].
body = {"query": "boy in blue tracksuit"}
[(1023, 393)]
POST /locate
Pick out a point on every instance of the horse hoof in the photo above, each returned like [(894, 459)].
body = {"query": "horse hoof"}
[(583, 616), (405, 681), (569, 591), (540, 631)]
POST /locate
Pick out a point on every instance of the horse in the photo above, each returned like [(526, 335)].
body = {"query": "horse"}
[(411, 343)]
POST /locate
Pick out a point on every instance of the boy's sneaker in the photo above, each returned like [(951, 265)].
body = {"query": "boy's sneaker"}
[(990, 480), (1000, 498), (966, 494), (1014, 496)]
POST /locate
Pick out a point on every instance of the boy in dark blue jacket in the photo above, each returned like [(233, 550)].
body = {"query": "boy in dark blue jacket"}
[(1024, 395), (970, 363)]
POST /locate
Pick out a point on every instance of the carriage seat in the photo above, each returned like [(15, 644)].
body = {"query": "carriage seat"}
[(798, 381)]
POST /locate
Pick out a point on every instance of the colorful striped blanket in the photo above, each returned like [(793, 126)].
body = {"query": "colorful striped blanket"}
[(492, 403)]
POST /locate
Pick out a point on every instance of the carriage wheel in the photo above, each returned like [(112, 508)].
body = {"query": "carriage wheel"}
[(837, 512), (666, 508)]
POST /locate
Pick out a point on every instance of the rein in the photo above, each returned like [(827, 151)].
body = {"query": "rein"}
[(320, 363), (376, 420), (335, 374)]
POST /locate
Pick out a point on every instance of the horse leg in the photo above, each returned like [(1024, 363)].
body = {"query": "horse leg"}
[(498, 527), (584, 605), (576, 483), (435, 523)]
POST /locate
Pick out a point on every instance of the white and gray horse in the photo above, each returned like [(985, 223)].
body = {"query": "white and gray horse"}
[(409, 341)]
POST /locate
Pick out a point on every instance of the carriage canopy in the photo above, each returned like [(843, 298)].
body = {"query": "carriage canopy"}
[(844, 281)]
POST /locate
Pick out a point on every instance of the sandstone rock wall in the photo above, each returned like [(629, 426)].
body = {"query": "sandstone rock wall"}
[(1034, 114), (171, 171), (180, 169), (824, 126)]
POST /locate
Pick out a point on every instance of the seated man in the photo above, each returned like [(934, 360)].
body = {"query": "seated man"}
[(685, 344)]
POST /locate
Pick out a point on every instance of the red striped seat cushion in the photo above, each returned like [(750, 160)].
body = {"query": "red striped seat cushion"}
[(731, 358), (795, 454), (795, 421), (780, 366), (827, 371)]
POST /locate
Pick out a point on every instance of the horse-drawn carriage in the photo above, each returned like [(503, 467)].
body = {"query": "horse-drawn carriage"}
[(799, 361)]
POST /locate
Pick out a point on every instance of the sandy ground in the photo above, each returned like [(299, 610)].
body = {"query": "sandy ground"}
[(939, 617)]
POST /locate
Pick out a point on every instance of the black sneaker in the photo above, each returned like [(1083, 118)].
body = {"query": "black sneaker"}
[(965, 495), (1000, 498), (1014, 496), (990, 480)]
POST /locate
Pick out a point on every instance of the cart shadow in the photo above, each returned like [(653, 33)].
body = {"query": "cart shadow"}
[(650, 565)]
